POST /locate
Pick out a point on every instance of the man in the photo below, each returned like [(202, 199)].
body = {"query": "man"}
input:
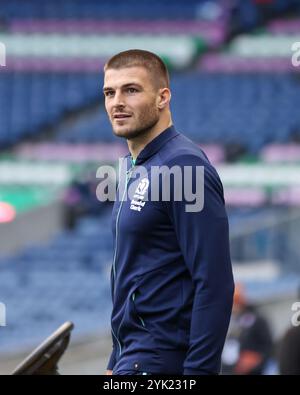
[(249, 344), (171, 278), (289, 352)]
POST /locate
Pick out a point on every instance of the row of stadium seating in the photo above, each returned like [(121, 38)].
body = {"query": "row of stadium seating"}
[(211, 31), (111, 152), (263, 45), (86, 46), (226, 63), (216, 108), (160, 24), (179, 50), (268, 50), (249, 14), (247, 11), (30, 101), (284, 26), (68, 279), (199, 109), (118, 9)]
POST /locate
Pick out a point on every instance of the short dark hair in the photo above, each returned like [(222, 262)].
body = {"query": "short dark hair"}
[(140, 58)]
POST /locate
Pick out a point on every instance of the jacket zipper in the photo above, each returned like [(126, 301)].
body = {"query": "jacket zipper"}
[(128, 175)]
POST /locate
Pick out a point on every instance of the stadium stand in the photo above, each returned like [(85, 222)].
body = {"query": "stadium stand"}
[(224, 115), (235, 92), (51, 95), (207, 117), (104, 9), (65, 279)]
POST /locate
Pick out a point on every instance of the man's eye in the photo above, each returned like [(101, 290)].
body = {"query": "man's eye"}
[(131, 90), (109, 93)]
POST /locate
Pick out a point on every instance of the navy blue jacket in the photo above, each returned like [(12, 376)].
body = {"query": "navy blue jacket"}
[(171, 278)]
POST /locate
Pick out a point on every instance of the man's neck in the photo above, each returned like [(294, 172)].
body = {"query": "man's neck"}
[(137, 144)]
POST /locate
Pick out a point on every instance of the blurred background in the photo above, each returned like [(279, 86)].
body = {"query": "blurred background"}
[(235, 93)]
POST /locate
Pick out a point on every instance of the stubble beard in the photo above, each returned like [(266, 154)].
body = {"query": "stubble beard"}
[(146, 122)]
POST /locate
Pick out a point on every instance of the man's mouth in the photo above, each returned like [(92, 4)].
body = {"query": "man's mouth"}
[(121, 116)]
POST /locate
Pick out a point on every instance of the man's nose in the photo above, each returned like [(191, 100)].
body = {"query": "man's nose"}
[(119, 99)]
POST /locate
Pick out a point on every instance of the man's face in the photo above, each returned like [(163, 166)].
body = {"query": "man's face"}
[(130, 101)]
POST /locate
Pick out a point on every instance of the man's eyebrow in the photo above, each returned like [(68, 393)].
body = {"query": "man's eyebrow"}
[(107, 88), (130, 84)]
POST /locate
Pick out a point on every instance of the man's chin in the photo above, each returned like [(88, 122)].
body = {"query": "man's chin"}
[(125, 133)]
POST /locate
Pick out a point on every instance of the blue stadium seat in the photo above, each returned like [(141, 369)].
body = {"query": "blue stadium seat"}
[(249, 109), (66, 279), (101, 9), (32, 101)]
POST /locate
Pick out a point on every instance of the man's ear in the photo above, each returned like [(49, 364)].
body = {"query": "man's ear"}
[(164, 98)]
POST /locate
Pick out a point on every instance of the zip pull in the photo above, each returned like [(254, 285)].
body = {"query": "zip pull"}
[(128, 173)]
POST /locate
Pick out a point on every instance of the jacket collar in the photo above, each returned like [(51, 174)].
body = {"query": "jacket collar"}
[(155, 145)]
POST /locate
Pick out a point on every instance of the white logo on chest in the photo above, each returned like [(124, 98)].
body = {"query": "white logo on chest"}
[(137, 203)]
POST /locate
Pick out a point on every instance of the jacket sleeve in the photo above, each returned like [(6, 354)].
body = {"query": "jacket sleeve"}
[(112, 359), (203, 239)]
